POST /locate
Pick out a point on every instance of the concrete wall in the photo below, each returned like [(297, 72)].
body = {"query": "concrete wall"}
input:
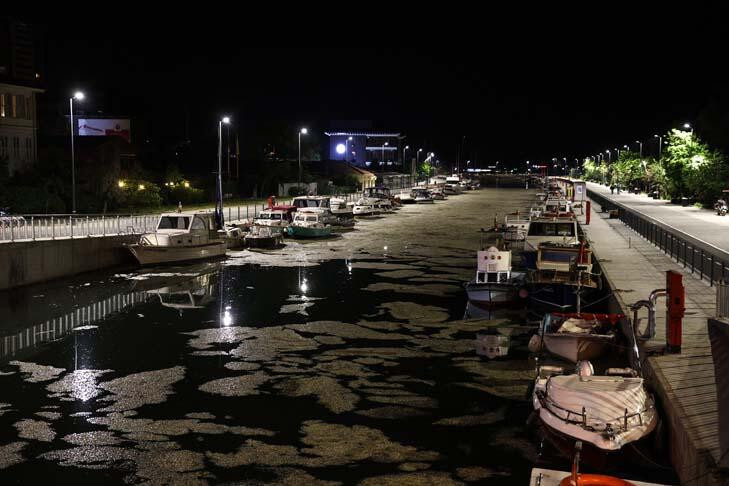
[(29, 262)]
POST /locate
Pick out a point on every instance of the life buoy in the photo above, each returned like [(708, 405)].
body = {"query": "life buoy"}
[(594, 480)]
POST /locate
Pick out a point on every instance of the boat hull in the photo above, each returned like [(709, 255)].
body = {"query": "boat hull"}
[(264, 242), (155, 255), (490, 293), (302, 232), (576, 348)]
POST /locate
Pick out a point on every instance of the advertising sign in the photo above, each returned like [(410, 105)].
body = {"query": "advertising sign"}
[(104, 127)]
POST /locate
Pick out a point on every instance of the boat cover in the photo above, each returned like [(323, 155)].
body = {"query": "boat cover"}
[(605, 399)]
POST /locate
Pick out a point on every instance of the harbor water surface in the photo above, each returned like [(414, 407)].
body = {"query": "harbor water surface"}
[(345, 360)]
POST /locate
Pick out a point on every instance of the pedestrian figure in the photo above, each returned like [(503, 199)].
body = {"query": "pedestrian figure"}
[(612, 189)]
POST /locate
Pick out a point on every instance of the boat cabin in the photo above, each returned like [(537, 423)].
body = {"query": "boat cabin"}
[(556, 230), (311, 202), (494, 266), (274, 217), (308, 218), (183, 229), (564, 258), (377, 192)]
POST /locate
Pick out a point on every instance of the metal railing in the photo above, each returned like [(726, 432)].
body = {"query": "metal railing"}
[(33, 227), (710, 263)]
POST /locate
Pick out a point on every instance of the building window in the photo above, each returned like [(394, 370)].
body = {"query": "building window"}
[(20, 103)]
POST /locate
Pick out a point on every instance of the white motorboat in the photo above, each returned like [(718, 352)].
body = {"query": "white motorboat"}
[(308, 225), (179, 237), (320, 205), (606, 411), (405, 197), (273, 217), (264, 236), (493, 282), (578, 337), (422, 196)]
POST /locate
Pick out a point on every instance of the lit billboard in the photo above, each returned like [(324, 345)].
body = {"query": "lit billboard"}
[(104, 127)]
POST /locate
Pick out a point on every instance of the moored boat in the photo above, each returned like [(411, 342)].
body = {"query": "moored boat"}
[(578, 337), (493, 282), (179, 237), (308, 225), (606, 411)]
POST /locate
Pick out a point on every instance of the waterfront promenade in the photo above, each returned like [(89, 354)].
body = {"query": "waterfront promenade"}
[(684, 383)]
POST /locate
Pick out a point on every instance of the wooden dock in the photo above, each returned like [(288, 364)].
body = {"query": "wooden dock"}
[(684, 383)]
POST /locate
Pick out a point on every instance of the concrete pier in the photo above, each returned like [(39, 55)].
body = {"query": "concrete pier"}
[(684, 383), (28, 262)]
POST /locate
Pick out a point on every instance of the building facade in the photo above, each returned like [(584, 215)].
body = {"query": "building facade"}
[(373, 150), (20, 83)]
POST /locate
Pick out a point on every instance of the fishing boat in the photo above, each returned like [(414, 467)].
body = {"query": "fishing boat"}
[(264, 236), (578, 337), (343, 213), (563, 275), (405, 197), (320, 205), (551, 477), (308, 225), (422, 196), (605, 411), (437, 193), (494, 282), (179, 237), (562, 231)]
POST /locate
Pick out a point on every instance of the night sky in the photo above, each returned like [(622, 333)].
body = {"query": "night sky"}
[(512, 103)]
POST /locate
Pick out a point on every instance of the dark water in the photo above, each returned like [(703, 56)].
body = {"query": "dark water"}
[(401, 394), (347, 371)]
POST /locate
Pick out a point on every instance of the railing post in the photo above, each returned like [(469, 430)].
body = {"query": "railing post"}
[(53, 229), (118, 225), (711, 280), (32, 226), (88, 227), (701, 271), (12, 234), (70, 225), (103, 225)]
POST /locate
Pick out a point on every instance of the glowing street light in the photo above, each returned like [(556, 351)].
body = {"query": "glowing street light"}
[(78, 95), (219, 203), (660, 139)]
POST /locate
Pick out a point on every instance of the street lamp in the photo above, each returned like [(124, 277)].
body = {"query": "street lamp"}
[(219, 203), (660, 139), (78, 95), (640, 150), (382, 162), (346, 148), (687, 126), (609, 155), (303, 131), (403, 154)]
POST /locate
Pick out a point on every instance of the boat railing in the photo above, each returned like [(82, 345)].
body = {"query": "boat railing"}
[(582, 418)]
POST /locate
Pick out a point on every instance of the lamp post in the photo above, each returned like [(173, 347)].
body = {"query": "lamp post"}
[(660, 140), (78, 95), (346, 148), (609, 155), (640, 149), (219, 203), (382, 162), (303, 131), (403, 154), (688, 126)]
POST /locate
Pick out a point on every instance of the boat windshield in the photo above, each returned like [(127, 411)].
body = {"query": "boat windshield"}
[(311, 219), (271, 216), (311, 203), (173, 222), (551, 229)]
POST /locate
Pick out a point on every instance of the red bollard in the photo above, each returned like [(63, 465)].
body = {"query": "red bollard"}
[(587, 214), (676, 306)]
